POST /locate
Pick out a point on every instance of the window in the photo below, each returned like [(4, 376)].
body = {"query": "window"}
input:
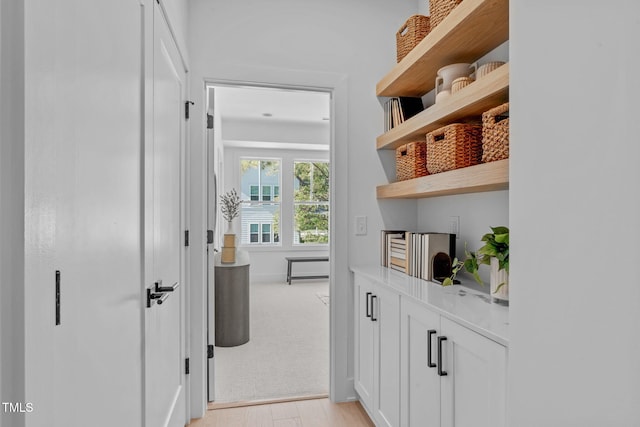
[(260, 195), (311, 202), (260, 233)]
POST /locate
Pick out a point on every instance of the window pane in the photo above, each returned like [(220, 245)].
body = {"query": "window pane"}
[(266, 193), (311, 224), (256, 174), (311, 181), (254, 193), (266, 228), (254, 217), (276, 192)]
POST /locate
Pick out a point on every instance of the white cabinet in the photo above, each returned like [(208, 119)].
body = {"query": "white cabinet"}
[(420, 357), (420, 392), (451, 376), (377, 351), (473, 393)]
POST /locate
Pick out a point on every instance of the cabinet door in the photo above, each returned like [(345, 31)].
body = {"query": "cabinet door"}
[(364, 342), (386, 316), (420, 383), (474, 388)]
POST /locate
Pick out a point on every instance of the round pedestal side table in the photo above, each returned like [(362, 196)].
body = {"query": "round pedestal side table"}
[(231, 297)]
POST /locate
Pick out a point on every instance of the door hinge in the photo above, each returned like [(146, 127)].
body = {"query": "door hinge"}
[(186, 108), (186, 237), (209, 121), (210, 351), (186, 366), (209, 237)]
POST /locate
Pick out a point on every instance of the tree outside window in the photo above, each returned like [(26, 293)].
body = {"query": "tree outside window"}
[(260, 210), (311, 202)]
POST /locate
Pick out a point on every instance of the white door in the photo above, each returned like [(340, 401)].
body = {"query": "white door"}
[(385, 312), (364, 342), (165, 376), (82, 216), (474, 389), (420, 393)]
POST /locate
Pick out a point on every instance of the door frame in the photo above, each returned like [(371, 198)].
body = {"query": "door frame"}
[(341, 293)]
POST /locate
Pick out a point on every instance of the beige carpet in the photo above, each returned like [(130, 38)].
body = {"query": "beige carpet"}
[(288, 351)]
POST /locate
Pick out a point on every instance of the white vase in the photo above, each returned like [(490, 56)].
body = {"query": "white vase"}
[(499, 282), (446, 75)]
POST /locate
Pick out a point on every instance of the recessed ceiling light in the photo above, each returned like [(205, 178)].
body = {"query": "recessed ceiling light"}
[(267, 114)]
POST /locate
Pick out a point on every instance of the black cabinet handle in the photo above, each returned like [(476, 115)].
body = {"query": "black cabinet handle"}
[(440, 371), (373, 319), (367, 302), (430, 363)]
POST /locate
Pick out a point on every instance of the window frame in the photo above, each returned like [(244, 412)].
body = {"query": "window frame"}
[(295, 203)]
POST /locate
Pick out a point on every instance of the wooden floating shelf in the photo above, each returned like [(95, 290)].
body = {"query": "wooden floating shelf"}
[(473, 100), (474, 179), (472, 29)]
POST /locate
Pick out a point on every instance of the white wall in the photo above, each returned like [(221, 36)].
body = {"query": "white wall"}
[(12, 365), (476, 212), (261, 130), (295, 42), (268, 263), (574, 209)]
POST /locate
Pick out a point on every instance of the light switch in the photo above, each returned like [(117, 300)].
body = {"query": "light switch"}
[(454, 226), (361, 225)]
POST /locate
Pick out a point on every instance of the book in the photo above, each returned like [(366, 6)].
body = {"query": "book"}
[(399, 109)]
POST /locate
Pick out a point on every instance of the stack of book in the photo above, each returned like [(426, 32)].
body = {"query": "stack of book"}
[(398, 254), (399, 109), (385, 237), (413, 253)]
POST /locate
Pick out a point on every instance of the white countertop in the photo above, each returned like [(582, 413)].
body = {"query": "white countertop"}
[(468, 307)]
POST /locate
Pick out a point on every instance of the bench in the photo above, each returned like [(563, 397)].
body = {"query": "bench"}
[(292, 259)]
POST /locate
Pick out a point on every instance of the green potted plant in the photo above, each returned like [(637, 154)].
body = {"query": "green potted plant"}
[(494, 253)]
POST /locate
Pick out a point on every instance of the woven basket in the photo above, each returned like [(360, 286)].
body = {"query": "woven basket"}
[(495, 133), (459, 83), (411, 160), (410, 34), (439, 9), (453, 147), (485, 69)]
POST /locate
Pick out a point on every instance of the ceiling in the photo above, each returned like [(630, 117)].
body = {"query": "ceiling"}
[(281, 104)]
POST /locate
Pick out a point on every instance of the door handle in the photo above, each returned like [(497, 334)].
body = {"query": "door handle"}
[(440, 371), (153, 296), (367, 303), (163, 289), (373, 319), (430, 363)]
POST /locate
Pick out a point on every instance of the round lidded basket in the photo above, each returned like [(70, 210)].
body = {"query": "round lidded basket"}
[(485, 69), (459, 83)]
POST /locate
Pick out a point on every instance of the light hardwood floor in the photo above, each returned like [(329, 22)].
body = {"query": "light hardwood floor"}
[(301, 413)]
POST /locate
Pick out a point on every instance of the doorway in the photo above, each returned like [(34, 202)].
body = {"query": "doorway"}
[(272, 145)]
